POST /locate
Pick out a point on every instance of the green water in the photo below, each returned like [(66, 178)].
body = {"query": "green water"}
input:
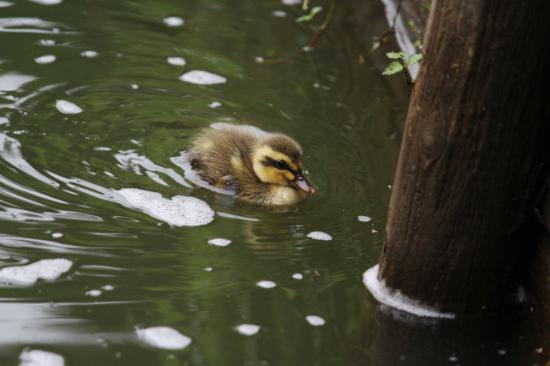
[(56, 171)]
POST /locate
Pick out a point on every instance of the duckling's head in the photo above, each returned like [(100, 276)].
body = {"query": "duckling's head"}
[(277, 160)]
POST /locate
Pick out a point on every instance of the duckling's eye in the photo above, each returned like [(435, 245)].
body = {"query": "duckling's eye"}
[(280, 164)]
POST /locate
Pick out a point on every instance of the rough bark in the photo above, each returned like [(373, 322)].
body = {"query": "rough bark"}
[(471, 148)]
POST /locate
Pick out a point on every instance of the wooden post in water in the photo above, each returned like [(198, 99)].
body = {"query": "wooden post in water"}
[(472, 147)]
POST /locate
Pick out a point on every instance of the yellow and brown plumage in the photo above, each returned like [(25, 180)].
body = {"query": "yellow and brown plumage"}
[(260, 167)]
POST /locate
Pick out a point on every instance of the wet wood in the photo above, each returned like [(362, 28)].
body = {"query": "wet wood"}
[(472, 147)]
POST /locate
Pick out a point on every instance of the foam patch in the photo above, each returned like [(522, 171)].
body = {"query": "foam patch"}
[(219, 242), (395, 299), (45, 269), (248, 329), (319, 235), (163, 338), (177, 211), (315, 320), (40, 358), (200, 77)]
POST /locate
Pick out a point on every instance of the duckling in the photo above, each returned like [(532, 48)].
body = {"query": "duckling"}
[(260, 167)]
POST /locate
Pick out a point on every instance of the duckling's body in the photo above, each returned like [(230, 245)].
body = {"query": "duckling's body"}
[(261, 167)]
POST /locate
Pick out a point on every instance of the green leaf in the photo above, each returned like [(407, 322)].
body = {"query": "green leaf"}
[(305, 5), (414, 59), (393, 68), (309, 17), (418, 44), (395, 55)]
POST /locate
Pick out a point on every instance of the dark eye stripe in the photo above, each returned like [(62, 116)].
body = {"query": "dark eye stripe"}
[(279, 164)]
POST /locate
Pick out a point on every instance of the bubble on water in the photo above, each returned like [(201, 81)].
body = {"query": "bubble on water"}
[(298, 276), (93, 293), (107, 288), (57, 235), (395, 299), (266, 284), (364, 218), (46, 42), (47, 2), (501, 352), (134, 86), (319, 235), (219, 242), (13, 81), (173, 21), (38, 357), (163, 337), (46, 59), (291, 2), (315, 320), (200, 77), (89, 54), (5, 4), (25, 275), (176, 61), (67, 107), (102, 148), (247, 329), (453, 358), (279, 14), (177, 211), (374, 231), (214, 105)]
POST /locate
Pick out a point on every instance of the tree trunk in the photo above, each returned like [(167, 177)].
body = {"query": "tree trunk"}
[(471, 150)]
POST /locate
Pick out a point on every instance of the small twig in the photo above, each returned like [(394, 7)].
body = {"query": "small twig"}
[(315, 39)]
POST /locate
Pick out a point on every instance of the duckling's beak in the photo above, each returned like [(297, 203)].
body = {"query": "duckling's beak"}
[(303, 184)]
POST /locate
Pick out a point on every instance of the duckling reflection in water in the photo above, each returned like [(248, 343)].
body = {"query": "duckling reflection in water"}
[(258, 166)]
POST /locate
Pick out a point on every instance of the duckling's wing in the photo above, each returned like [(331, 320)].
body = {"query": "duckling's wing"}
[(228, 182)]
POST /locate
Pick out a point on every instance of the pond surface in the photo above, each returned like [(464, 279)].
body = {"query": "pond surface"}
[(93, 101)]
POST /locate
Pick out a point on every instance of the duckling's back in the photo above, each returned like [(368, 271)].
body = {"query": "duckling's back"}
[(223, 151)]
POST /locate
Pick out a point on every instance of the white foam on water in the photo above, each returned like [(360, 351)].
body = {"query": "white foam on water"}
[(279, 14), (219, 242), (291, 2), (266, 284), (134, 86), (5, 4), (298, 276), (46, 59), (163, 337), (315, 320), (200, 77), (47, 2), (177, 211), (176, 61), (247, 329), (4, 121), (38, 357), (364, 218), (93, 293), (89, 54), (395, 299), (67, 107), (208, 269), (25, 275), (107, 288), (57, 235), (173, 21), (319, 235), (214, 105), (13, 81), (46, 42)]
